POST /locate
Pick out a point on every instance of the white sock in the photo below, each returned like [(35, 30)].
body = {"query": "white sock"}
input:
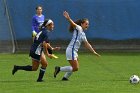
[(66, 69), (67, 74)]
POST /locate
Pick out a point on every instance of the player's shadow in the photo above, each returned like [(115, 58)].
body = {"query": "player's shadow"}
[(15, 81), (115, 80), (27, 81)]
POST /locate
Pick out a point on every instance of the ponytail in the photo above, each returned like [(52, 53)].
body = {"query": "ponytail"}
[(78, 22)]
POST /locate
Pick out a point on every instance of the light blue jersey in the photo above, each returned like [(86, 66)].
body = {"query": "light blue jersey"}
[(36, 22)]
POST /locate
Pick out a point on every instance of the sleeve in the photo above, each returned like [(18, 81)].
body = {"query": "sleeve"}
[(46, 38), (83, 37), (33, 23), (79, 28)]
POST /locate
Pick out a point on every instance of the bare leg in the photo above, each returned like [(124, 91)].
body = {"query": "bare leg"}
[(44, 64)]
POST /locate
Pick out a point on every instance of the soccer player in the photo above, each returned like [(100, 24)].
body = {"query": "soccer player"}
[(77, 28), (37, 21), (41, 42)]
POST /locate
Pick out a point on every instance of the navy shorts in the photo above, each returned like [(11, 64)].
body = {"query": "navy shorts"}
[(34, 56)]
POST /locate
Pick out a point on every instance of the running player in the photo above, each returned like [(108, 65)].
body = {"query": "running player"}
[(41, 42), (77, 28), (37, 21)]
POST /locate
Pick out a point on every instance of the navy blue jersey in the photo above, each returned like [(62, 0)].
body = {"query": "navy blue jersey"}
[(37, 45)]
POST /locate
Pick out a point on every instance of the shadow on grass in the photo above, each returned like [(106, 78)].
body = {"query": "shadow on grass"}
[(16, 81), (115, 80), (30, 81)]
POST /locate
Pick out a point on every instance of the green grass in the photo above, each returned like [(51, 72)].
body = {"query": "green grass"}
[(108, 74)]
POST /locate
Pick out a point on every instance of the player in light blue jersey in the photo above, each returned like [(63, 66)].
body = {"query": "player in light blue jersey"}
[(41, 42), (37, 21), (77, 28)]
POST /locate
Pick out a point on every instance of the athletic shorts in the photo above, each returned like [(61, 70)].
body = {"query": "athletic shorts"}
[(71, 54), (34, 56)]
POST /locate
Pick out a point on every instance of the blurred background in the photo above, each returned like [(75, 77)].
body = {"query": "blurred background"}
[(114, 24)]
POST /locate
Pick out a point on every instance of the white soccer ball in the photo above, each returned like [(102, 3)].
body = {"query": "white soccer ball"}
[(134, 79)]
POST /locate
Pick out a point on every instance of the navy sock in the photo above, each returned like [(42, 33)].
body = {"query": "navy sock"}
[(41, 74), (26, 68)]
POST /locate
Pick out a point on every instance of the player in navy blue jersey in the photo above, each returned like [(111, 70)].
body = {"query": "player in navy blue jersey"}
[(41, 42), (37, 21)]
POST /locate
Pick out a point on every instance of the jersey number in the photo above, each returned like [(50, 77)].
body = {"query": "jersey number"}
[(37, 36)]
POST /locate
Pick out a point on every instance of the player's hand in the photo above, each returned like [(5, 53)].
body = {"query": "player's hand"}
[(97, 54), (66, 15), (50, 56), (34, 33), (57, 48)]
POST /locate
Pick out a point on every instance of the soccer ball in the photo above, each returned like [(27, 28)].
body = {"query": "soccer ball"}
[(134, 79)]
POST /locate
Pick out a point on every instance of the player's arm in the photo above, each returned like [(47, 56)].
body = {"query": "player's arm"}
[(50, 47), (88, 46), (66, 15), (46, 46), (33, 27)]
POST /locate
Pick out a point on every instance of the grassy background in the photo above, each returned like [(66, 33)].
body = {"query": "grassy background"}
[(108, 74)]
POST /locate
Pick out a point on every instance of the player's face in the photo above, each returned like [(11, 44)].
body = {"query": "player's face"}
[(39, 10), (85, 25), (50, 27)]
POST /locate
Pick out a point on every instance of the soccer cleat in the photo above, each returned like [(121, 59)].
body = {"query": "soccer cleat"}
[(40, 80), (64, 79), (57, 70), (54, 56), (14, 70)]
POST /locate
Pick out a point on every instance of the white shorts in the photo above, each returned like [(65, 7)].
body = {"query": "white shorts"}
[(71, 54)]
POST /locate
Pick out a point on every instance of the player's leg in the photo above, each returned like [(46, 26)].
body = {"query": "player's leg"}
[(75, 66), (72, 57), (44, 64), (68, 69), (34, 67)]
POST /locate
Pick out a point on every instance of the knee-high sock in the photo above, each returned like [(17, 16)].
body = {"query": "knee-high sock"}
[(41, 73), (26, 68), (68, 74), (66, 69)]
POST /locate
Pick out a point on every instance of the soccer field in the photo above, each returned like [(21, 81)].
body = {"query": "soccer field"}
[(108, 74)]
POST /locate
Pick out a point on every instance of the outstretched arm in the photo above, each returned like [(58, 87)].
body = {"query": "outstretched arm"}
[(66, 15), (50, 47), (88, 46)]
